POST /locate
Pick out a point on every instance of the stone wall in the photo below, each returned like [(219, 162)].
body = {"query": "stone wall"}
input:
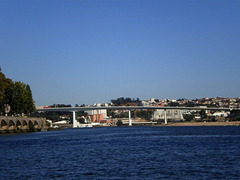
[(21, 123)]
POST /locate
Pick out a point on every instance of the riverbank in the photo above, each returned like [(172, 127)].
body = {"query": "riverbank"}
[(232, 123), (15, 132)]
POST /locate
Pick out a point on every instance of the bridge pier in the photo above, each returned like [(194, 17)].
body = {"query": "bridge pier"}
[(165, 116), (74, 120), (129, 118)]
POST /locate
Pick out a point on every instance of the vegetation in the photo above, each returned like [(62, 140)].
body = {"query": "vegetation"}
[(174, 104), (54, 116), (58, 115), (81, 120), (60, 105), (118, 114), (144, 114), (235, 115), (119, 123), (188, 117), (81, 113), (125, 101), (31, 127), (203, 114), (17, 95)]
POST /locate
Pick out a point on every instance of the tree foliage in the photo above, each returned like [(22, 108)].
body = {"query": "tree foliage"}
[(81, 120), (82, 113), (16, 94), (4, 83), (31, 127), (60, 105), (123, 101), (188, 117), (203, 114), (144, 114), (173, 104), (235, 115), (119, 123)]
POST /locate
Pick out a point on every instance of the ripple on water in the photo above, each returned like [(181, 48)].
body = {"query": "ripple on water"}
[(123, 153)]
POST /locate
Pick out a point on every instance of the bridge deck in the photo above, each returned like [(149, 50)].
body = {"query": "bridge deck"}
[(70, 109)]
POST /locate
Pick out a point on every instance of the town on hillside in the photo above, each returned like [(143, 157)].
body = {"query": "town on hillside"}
[(120, 117)]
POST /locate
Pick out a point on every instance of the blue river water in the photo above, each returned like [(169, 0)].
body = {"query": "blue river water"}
[(141, 152)]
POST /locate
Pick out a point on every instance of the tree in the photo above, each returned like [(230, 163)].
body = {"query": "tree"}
[(81, 113), (144, 114), (16, 94), (189, 104), (52, 115), (60, 105), (123, 101), (234, 115), (119, 123), (8, 91), (28, 100), (31, 127), (19, 96), (188, 117), (203, 114), (4, 83), (81, 120)]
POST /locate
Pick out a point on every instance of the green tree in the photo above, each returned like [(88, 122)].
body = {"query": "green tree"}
[(28, 100), (234, 115), (31, 127), (174, 104), (17, 94), (144, 114), (81, 120), (4, 83), (119, 123), (81, 113), (188, 117), (18, 97), (124, 101), (203, 114)]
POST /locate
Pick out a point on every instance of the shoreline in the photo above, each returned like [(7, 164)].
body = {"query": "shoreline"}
[(231, 123)]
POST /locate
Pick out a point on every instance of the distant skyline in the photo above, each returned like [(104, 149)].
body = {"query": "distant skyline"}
[(92, 51)]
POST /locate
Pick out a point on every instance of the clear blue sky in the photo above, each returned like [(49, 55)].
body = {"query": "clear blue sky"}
[(90, 51)]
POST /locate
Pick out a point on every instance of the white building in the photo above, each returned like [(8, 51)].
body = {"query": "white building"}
[(144, 103), (222, 114), (152, 100), (172, 114)]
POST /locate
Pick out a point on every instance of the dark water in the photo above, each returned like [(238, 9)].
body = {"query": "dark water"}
[(123, 153)]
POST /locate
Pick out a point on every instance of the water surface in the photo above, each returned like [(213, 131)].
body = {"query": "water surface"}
[(123, 153)]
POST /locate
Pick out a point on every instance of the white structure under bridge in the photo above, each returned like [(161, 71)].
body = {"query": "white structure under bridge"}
[(171, 114)]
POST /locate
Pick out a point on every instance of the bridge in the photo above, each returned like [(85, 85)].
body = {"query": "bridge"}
[(129, 108), (20, 123)]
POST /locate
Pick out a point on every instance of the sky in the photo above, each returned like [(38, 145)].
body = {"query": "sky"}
[(92, 51)]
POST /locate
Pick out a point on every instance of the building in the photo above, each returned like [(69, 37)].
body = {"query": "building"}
[(172, 114), (97, 116), (221, 114), (99, 111)]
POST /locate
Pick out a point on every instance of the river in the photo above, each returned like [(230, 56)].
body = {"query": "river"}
[(138, 152)]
